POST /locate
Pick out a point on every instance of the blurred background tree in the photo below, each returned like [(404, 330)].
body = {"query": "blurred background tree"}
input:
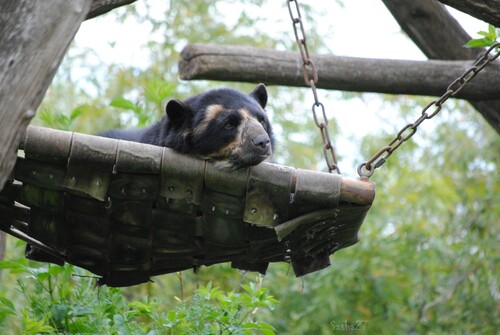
[(427, 261)]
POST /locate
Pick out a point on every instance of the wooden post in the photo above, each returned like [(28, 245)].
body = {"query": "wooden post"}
[(34, 38)]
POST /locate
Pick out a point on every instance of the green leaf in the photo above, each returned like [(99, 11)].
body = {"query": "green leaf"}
[(34, 326), (42, 276), (489, 38), (484, 33), (83, 311), (60, 312), (76, 112), (55, 270), (492, 31), (7, 306), (267, 329), (11, 265), (261, 327), (478, 43), (158, 91), (123, 104)]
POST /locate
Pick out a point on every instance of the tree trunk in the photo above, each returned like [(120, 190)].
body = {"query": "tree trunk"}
[(488, 11), (34, 37), (249, 64), (440, 36)]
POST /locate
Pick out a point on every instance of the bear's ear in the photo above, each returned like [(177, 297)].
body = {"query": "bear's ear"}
[(177, 111), (260, 94)]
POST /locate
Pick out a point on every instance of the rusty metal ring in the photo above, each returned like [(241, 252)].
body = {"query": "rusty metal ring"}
[(363, 174)]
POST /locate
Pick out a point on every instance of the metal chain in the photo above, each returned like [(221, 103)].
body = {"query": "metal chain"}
[(366, 169), (307, 68)]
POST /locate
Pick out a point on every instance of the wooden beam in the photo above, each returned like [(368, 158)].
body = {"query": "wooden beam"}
[(488, 11), (440, 36), (100, 7), (249, 64), (431, 27), (34, 37)]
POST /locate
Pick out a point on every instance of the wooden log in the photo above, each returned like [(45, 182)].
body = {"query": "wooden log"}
[(34, 40), (431, 27), (488, 11), (360, 192), (249, 64), (100, 7), (440, 36)]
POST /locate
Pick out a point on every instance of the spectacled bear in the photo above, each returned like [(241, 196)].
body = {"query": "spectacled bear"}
[(225, 126)]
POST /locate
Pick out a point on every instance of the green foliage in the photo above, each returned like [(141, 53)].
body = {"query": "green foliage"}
[(57, 120), (63, 300), (155, 93), (210, 311), (6, 308), (489, 38)]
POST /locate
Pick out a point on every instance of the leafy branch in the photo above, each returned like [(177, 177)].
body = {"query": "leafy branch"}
[(488, 38)]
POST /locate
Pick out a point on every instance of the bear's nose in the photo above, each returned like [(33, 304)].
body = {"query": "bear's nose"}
[(262, 141)]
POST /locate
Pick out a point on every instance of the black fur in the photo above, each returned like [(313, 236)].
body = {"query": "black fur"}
[(223, 125)]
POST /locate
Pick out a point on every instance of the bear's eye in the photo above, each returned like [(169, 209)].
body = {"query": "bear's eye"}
[(231, 124), (262, 120)]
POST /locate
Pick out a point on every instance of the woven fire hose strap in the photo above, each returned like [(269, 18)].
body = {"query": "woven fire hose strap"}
[(128, 211)]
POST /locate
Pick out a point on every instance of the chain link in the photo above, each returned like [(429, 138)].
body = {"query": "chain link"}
[(309, 68), (366, 169)]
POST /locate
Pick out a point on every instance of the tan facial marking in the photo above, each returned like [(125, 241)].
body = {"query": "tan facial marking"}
[(229, 149), (246, 113), (210, 113)]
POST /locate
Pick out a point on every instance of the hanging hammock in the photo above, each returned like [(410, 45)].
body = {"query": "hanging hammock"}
[(128, 211)]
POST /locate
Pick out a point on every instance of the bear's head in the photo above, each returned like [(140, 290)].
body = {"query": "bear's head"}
[(225, 126)]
